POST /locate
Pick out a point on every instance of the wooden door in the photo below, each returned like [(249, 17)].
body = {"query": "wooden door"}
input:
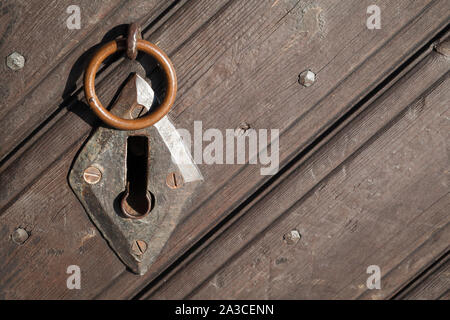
[(363, 177)]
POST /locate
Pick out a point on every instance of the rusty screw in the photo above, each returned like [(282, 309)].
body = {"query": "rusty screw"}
[(19, 236), (139, 247), (292, 237), (15, 61), (174, 180), (307, 78), (92, 175)]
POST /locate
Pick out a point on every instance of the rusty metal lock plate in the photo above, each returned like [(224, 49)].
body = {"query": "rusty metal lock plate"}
[(101, 172)]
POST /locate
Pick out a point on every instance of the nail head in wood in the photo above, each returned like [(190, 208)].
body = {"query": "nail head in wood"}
[(174, 180), (19, 236), (15, 61), (292, 237), (307, 78)]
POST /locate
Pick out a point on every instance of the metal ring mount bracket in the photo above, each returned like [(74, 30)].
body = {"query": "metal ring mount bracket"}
[(137, 222), (152, 117), (134, 34)]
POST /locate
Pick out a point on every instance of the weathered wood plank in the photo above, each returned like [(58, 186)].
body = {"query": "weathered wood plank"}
[(226, 64), (433, 284), (374, 194), (61, 238), (52, 178), (229, 193), (55, 55)]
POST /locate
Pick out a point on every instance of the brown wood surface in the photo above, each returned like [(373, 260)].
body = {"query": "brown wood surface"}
[(55, 56), (432, 285), (375, 194), (236, 61)]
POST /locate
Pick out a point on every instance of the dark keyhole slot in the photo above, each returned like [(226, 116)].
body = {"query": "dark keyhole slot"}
[(137, 170)]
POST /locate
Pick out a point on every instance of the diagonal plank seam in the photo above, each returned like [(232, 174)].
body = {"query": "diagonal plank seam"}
[(363, 102)]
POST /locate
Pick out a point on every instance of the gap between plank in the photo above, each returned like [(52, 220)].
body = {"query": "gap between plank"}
[(326, 135)]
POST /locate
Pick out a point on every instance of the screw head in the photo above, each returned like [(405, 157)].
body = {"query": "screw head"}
[(307, 78), (174, 180), (292, 237), (443, 48), (19, 236), (139, 247), (15, 61), (92, 175)]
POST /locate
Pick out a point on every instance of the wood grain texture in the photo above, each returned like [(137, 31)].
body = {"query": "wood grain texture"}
[(236, 61), (431, 285), (377, 193), (281, 101), (37, 269), (55, 55)]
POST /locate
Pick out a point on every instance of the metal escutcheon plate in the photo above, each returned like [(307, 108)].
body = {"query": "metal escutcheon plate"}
[(137, 242)]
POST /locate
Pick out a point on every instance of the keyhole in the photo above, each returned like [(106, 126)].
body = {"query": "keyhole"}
[(137, 200)]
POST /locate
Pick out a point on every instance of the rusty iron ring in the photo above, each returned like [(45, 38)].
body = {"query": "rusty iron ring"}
[(115, 121), (134, 34)]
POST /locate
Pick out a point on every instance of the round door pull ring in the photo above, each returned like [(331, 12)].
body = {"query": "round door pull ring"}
[(152, 117)]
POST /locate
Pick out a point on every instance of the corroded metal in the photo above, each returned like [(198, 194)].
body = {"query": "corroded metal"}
[(307, 78), (137, 242), (134, 34), (92, 175), (174, 180), (19, 236)]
